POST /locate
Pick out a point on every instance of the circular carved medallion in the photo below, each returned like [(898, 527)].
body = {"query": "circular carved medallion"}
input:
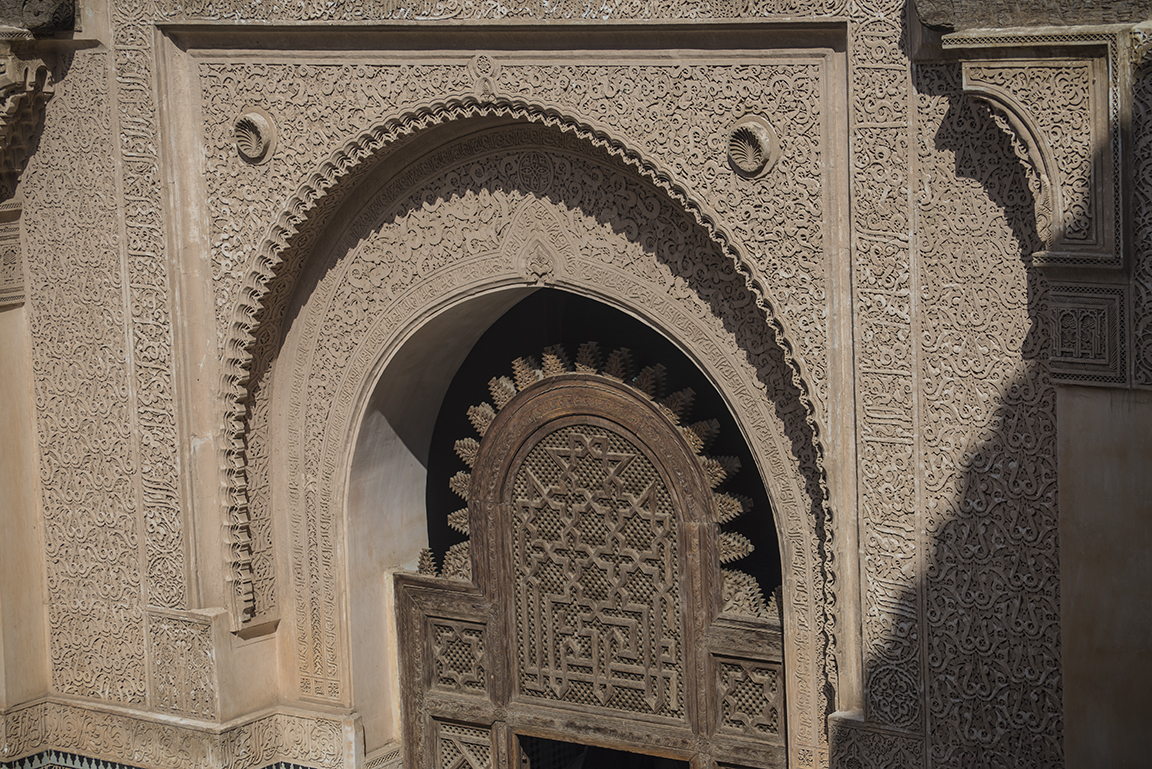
[(753, 146), (535, 171), (254, 134)]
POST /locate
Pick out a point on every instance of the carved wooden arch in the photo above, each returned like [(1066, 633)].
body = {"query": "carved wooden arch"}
[(598, 619), (784, 444), (322, 191)]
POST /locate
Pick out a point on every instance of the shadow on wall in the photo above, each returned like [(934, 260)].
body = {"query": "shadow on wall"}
[(962, 597), (23, 124)]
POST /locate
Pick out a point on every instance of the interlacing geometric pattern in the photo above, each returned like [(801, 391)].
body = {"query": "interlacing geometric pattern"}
[(458, 656), (596, 575), (740, 593), (750, 697), (464, 747)]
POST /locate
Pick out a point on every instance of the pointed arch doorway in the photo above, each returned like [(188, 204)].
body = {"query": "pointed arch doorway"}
[(587, 616)]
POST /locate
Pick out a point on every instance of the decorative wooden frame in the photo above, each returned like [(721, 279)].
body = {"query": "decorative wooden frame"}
[(723, 659)]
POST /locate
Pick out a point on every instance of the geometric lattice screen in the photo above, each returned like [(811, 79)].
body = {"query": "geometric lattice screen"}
[(589, 605)]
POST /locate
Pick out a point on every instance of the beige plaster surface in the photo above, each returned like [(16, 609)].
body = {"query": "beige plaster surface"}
[(1105, 457), (24, 660)]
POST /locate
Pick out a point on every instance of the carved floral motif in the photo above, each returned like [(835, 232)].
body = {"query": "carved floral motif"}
[(1067, 132), (886, 427), (84, 415)]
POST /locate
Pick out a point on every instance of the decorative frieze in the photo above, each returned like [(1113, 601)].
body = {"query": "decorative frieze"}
[(91, 736)]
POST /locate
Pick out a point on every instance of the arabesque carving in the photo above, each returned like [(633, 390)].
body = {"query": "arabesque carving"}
[(378, 277), (84, 416), (947, 322), (183, 664), (12, 288), (244, 461), (443, 10), (1088, 333), (988, 432), (149, 307)]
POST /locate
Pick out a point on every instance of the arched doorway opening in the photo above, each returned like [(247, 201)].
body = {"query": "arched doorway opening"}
[(589, 606), (549, 317), (409, 275)]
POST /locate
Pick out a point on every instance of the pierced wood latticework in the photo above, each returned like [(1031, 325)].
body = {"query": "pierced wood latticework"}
[(588, 605)]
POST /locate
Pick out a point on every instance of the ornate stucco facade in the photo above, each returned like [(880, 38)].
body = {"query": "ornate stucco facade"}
[(246, 245)]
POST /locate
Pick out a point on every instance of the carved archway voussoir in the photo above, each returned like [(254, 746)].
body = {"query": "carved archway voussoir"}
[(361, 150)]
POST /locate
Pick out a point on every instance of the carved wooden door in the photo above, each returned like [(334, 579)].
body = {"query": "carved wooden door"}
[(590, 609)]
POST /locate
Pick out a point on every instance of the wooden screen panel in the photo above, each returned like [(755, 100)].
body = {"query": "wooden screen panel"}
[(594, 612)]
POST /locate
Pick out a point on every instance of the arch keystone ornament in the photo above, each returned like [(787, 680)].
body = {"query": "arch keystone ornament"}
[(588, 604)]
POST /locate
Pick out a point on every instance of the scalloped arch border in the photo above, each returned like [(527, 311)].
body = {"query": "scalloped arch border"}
[(374, 143)]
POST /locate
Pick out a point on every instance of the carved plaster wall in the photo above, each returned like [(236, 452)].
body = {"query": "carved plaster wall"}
[(85, 413), (788, 241), (506, 207), (953, 334)]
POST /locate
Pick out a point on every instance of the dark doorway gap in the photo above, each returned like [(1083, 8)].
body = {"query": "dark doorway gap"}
[(540, 753)]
